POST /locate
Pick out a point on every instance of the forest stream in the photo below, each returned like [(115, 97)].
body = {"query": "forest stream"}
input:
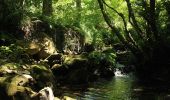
[(72, 49), (120, 88)]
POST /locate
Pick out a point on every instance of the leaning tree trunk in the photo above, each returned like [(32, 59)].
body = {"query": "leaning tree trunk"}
[(133, 47), (151, 51)]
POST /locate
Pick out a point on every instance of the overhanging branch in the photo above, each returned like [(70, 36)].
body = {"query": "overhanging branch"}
[(129, 36), (132, 19), (135, 50)]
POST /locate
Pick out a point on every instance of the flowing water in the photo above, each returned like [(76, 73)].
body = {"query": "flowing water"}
[(121, 88)]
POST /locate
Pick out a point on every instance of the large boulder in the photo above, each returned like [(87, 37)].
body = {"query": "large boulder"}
[(40, 46), (69, 40), (73, 70)]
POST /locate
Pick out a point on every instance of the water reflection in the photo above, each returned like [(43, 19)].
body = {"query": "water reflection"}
[(116, 89), (122, 88)]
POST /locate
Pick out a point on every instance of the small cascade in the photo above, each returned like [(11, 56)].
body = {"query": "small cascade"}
[(118, 73)]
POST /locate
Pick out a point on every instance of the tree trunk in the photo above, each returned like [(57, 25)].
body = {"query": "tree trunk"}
[(79, 8), (153, 19), (135, 50), (47, 7)]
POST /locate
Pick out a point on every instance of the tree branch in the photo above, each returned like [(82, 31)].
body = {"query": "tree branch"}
[(133, 48), (129, 36), (132, 19)]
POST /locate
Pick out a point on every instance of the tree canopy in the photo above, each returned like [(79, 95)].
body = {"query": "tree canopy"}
[(141, 26)]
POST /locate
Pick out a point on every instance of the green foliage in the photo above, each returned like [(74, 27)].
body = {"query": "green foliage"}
[(5, 51), (12, 52), (88, 19), (99, 58)]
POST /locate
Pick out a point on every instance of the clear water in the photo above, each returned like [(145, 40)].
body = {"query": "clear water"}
[(121, 88)]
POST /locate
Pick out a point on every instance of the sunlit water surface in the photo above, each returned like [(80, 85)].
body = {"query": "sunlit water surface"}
[(121, 88)]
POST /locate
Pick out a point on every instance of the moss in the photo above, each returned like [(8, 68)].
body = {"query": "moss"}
[(70, 59), (12, 87), (10, 53), (9, 68), (42, 75), (39, 68)]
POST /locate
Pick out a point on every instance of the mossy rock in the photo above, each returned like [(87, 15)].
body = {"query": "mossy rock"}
[(41, 45), (43, 75), (14, 68), (9, 68), (73, 70), (16, 84), (70, 60)]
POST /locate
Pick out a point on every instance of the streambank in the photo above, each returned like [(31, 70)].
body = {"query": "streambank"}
[(25, 77)]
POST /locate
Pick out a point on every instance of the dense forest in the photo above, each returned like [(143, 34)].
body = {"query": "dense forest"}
[(46, 45)]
